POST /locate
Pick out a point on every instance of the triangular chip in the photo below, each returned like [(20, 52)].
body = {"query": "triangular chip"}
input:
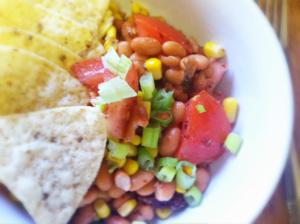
[(25, 14), (29, 82), (49, 159), (38, 44), (88, 13)]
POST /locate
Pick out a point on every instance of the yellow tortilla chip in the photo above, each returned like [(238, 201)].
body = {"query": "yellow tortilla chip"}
[(29, 82), (49, 159), (25, 14), (88, 13), (38, 44)]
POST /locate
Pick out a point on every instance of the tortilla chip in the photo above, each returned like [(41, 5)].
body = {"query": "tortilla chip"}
[(38, 44), (29, 82), (49, 159), (27, 15), (87, 13)]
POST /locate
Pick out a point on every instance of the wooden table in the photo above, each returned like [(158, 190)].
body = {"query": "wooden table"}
[(276, 211)]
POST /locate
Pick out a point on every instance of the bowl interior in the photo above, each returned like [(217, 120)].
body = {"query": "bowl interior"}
[(259, 79)]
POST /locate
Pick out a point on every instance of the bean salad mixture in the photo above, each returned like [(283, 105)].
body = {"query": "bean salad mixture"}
[(166, 120)]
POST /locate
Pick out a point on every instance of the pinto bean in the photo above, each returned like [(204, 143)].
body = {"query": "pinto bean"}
[(122, 180), (192, 63), (85, 215), (174, 76), (115, 192), (118, 202), (164, 191), (146, 46), (140, 179), (202, 179), (178, 111), (117, 220), (172, 48), (147, 189), (170, 61), (124, 48), (170, 141), (128, 31), (104, 179), (180, 94)]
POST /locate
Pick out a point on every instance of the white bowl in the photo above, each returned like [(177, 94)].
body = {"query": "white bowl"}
[(259, 78)]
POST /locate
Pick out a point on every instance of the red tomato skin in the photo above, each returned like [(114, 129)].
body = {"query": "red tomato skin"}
[(203, 134), (148, 26), (91, 73)]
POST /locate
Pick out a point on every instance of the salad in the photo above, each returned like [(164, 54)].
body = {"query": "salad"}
[(166, 120)]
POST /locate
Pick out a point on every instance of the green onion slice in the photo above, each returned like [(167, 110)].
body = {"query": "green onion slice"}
[(233, 143), (200, 108), (151, 136), (116, 64), (166, 174), (147, 86), (145, 160), (184, 180), (162, 100), (164, 118), (168, 162), (193, 196), (119, 150), (115, 90)]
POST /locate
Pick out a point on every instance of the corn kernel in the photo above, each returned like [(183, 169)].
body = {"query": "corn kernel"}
[(131, 167), (154, 66), (112, 160), (213, 50), (111, 33), (132, 150), (102, 209), (188, 170), (106, 24), (110, 43), (147, 106), (180, 190), (125, 209), (136, 140), (153, 152), (230, 106), (163, 213), (137, 8), (140, 95)]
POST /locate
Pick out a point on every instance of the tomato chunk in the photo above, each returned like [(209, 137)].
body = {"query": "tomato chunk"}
[(148, 26), (203, 133), (91, 73)]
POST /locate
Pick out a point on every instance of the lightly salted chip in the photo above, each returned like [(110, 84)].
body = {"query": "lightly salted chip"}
[(50, 158), (29, 83)]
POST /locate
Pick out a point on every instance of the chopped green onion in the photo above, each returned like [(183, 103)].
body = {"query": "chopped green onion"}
[(167, 162), (233, 143), (119, 150), (115, 90), (162, 118), (151, 136), (166, 174), (193, 197), (145, 159), (184, 180), (115, 64), (162, 100), (112, 167), (200, 108), (147, 86)]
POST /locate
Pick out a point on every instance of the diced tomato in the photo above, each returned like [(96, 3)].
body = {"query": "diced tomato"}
[(138, 118), (203, 134), (148, 26), (118, 115), (91, 72), (132, 78)]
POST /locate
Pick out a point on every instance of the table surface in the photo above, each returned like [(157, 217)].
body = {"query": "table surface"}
[(276, 211)]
